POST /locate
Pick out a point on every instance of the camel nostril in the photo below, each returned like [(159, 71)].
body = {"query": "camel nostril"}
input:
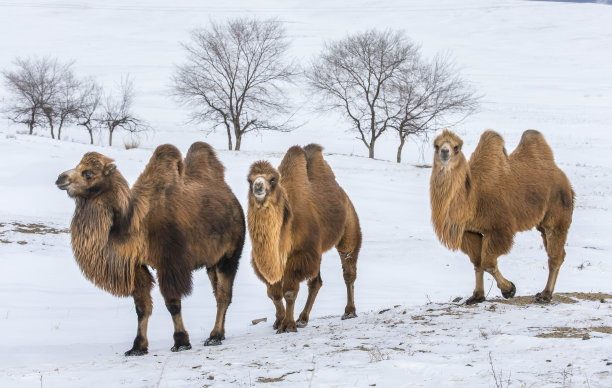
[(444, 151), (258, 188)]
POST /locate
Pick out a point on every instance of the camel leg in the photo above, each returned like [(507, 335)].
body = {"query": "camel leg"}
[(554, 243), (143, 283), (222, 279), (173, 304), (275, 292), (494, 245), (314, 285), (471, 245), (290, 290), (349, 272)]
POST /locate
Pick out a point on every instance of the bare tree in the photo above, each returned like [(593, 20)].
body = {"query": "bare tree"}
[(117, 111), (233, 77), (33, 86), (90, 99), (378, 81), (430, 96), (355, 76), (62, 106)]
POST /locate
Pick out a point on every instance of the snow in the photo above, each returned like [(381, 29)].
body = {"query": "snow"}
[(541, 65)]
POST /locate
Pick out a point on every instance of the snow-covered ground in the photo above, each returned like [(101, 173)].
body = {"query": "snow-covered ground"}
[(541, 65)]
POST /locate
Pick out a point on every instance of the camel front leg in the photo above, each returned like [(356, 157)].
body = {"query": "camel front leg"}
[(290, 291), (494, 245), (314, 285), (275, 293), (471, 245), (143, 283)]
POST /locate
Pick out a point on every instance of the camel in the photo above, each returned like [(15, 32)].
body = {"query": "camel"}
[(295, 214), (179, 216), (478, 206)]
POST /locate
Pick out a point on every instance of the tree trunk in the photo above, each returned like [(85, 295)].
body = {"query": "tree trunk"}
[(51, 125), (110, 136), (238, 141), (229, 136), (371, 149), (237, 133), (90, 135), (399, 149), (32, 122)]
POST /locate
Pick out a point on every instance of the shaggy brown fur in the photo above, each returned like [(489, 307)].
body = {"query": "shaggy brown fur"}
[(179, 216), (295, 214), (478, 206)]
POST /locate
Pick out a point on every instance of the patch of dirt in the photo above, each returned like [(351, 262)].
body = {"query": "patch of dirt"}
[(574, 332), (562, 297), (34, 228), (274, 379)]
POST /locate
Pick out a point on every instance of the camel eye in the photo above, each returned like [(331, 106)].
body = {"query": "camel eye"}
[(87, 174), (250, 181), (437, 148), (456, 149), (272, 181)]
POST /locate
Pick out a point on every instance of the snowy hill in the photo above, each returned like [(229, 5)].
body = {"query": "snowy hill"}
[(541, 65)]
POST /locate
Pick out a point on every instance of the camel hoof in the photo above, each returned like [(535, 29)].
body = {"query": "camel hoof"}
[(301, 324), (474, 300), (136, 352), (349, 316), (510, 293), (180, 348), (213, 342), (539, 298), (286, 330)]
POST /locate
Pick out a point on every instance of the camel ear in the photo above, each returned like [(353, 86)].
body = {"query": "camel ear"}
[(109, 168)]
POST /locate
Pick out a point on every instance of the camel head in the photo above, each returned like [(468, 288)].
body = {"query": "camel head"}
[(89, 178), (447, 147), (263, 181)]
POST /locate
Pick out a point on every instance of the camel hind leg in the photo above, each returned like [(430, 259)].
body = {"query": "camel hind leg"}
[(143, 283), (222, 280), (314, 285), (348, 248), (554, 228), (554, 242)]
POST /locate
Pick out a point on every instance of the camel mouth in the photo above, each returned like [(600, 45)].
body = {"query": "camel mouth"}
[(63, 186), (260, 195)]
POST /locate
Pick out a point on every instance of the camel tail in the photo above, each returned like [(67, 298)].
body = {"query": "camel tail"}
[(202, 162)]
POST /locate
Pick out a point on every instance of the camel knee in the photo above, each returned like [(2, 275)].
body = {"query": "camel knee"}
[(174, 307), (290, 295), (315, 283)]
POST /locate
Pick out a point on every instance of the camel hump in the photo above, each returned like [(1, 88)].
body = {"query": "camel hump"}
[(491, 143), (166, 159), (533, 144), (316, 165), (313, 150), (201, 162), (294, 163)]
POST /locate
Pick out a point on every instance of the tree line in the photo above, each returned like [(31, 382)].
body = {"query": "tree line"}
[(45, 92), (235, 78)]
